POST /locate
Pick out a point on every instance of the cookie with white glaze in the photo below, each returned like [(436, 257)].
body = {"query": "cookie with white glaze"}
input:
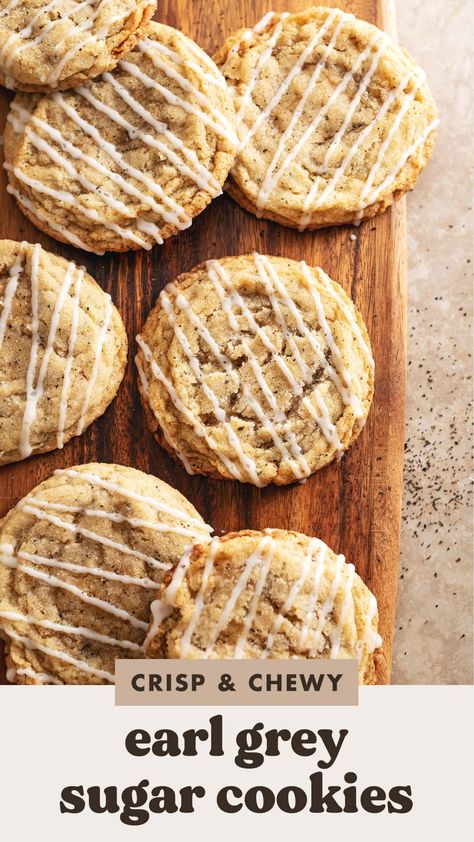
[(130, 159), (334, 120), (270, 594), (63, 350), (255, 368), (63, 43), (82, 557)]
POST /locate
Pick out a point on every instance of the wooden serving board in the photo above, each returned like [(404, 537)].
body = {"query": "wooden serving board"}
[(353, 505)]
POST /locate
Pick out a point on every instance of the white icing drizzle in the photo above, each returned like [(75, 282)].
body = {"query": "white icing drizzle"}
[(347, 605), (76, 529), (72, 171), (263, 59), (13, 45), (256, 558), (320, 559), (152, 197), (82, 666), (288, 147), (34, 394), (182, 303), (100, 35), (248, 465), (68, 199), (116, 517), (163, 608), (349, 315), (8, 8), (197, 173), (392, 174), (392, 98), (321, 416), (333, 146), (266, 555), (337, 375), (221, 125), (371, 638), (159, 612), (81, 33), (25, 449), (198, 428), (80, 631), (152, 186), (124, 491), (315, 123), (327, 609), (98, 572), (43, 509), (8, 559), (274, 420), (69, 359), (40, 677), (342, 374), (416, 79), (305, 370), (314, 546), (14, 276), (270, 181), (95, 368), (61, 230), (314, 563), (34, 391), (229, 297), (199, 601), (285, 85), (263, 22), (212, 75), (161, 421)]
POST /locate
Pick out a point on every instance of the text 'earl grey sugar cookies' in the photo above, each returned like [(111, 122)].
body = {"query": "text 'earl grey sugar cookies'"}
[(63, 350), (334, 120), (130, 159), (255, 368)]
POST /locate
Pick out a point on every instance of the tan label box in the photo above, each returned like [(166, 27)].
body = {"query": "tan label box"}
[(236, 682)]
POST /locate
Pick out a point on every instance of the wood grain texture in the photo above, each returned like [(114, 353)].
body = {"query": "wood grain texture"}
[(353, 505)]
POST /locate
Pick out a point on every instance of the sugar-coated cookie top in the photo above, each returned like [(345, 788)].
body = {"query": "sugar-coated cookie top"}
[(270, 594), (63, 350), (81, 558), (334, 119), (133, 157), (255, 368), (62, 43)]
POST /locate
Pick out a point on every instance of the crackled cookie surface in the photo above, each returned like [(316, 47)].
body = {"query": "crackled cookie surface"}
[(270, 594), (334, 120), (63, 350), (81, 558), (255, 368), (56, 45), (130, 159)]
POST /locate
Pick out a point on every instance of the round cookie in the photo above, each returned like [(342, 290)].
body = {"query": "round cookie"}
[(81, 559), (335, 121), (270, 594), (63, 350), (130, 159), (255, 368), (63, 43)]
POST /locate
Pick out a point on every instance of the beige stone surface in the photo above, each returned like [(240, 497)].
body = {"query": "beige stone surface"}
[(433, 641)]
